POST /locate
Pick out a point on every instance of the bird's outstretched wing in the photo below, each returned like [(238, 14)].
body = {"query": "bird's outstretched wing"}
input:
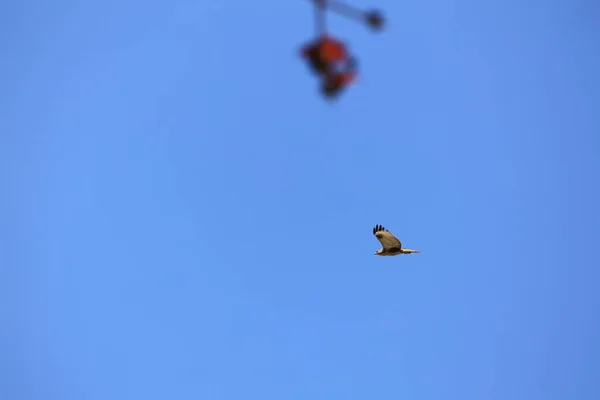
[(386, 238)]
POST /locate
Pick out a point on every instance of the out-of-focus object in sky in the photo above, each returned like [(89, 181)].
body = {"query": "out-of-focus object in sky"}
[(374, 19), (391, 245), (327, 56)]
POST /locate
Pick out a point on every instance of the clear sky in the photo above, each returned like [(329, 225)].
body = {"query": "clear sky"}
[(183, 217)]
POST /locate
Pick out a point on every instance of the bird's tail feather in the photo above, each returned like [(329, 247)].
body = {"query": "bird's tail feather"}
[(411, 251)]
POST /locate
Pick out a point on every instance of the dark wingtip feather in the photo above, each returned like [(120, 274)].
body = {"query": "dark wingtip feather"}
[(378, 228)]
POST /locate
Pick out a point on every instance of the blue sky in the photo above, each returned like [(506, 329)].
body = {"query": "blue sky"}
[(183, 217)]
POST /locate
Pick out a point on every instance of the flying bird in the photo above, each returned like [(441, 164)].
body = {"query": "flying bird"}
[(391, 245)]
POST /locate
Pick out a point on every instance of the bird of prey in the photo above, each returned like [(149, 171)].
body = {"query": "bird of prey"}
[(391, 245)]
